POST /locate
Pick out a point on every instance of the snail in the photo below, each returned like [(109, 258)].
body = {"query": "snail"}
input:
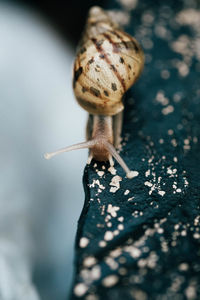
[(107, 64)]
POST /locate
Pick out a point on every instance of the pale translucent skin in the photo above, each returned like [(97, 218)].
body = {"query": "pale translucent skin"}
[(100, 145), (108, 62)]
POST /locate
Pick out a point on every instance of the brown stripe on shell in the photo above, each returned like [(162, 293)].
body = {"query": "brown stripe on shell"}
[(88, 104), (99, 107), (101, 51), (121, 60), (130, 44), (134, 43), (91, 60), (77, 73), (117, 48), (84, 89), (95, 92), (120, 43), (114, 86)]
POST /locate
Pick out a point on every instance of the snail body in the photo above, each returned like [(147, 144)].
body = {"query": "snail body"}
[(107, 64)]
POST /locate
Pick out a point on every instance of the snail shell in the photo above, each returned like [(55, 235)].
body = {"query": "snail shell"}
[(107, 64)]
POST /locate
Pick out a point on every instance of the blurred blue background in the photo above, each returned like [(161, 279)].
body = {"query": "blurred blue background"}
[(40, 200)]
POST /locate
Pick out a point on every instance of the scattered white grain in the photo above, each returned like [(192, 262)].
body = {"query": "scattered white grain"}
[(89, 261), (196, 235), (115, 183), (110, 281), (126, 192), (147, 173), (108, 236), (170, 132), (83, 242), (112, 210), (167, 110), (102, 244), (120, 227), (100, 173), (80, 289), (112, 170), (162, 193), (183, 267), (161, 141)]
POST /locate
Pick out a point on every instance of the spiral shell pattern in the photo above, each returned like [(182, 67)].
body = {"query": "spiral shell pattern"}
[(107, 64)]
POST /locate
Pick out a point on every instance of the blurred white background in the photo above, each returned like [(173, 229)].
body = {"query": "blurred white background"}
[(40, 200)]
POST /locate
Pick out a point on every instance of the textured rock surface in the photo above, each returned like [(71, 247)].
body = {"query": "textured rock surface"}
[(139, 238)]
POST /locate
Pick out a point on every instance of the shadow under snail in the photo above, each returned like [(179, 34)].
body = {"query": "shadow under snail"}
[(107, 64)]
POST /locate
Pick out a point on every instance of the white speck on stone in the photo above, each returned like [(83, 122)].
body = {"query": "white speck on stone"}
[(196, 235), (170, 132), (162, 193), (183, 267), (116, 232), (160, 230), (195, 139), (112, 170), (89, 261), (174, 142), (186, 141), (147, 183), (113, 189), (167, 110), (161, 141), (110, 281), (83, 242), (120, 227), (115, 183), (133, 251), (80, 289), (160, 98), (183, 232), (129, 4), (97, 182), (190, 292), (178, 190), (102, 244), (108, 236), (112, 210), (132, 174), (130, 199), (95, 273), (147, 173), (100, 173), (176, 227), (121, 219), (165, 74), (111, 263), (126, 192), (116, 253)]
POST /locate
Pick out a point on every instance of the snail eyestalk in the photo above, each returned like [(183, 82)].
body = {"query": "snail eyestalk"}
[(83, 145), (94, 144), (113, 152)]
